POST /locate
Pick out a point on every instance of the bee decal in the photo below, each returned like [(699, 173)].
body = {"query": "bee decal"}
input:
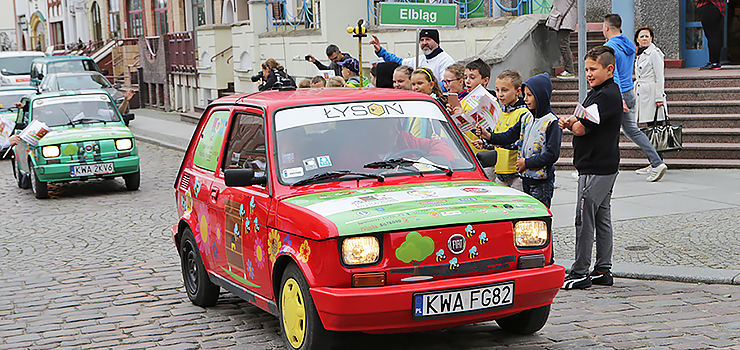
[(482, 238), (469, 231), (440, 255), (473, 252), (454, 264)]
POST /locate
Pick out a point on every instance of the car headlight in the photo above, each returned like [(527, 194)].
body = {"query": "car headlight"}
[(124, 144), (530, 233), (360, 250), (50, 151)]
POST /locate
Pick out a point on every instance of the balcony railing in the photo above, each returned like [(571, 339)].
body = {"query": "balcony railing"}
[(280, 16)]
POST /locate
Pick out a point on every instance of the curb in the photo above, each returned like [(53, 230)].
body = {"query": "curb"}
[(160, 143), (669, 273)]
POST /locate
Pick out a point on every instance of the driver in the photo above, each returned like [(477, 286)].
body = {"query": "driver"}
[(392, 140)]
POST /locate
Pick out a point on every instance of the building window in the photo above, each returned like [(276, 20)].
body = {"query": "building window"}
[(199, 13), (97, 24), (114, 20), (57, 35), (135, 18), (160, 17)]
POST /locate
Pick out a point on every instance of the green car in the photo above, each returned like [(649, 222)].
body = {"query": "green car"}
[(88, 139)]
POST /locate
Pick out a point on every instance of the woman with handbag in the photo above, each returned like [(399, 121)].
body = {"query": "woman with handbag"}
[(650, 82)]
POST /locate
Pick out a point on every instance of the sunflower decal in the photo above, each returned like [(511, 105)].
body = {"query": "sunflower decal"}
[(273, 244), (304, 252), (259, 253)]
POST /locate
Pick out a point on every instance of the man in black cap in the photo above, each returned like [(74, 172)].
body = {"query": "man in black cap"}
[(433, 58)]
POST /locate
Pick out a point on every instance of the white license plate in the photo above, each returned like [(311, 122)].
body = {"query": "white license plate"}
[(91, 169), (467, 300)]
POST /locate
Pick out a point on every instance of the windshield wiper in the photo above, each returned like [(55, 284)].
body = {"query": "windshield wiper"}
[(394, 162), (335, 175), (71, 122)]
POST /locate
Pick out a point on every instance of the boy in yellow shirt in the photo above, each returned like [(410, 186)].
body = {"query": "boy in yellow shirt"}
[(513, 109)]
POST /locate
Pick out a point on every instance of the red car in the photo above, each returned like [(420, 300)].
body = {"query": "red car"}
[(356, 210)]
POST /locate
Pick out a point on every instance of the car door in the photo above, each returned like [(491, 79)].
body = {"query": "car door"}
[(246, 208), (199, 179)]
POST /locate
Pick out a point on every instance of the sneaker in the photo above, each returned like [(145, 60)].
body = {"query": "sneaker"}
[(576, 281), (603, 278), (566, 74), (711, 66), (657, 173), (644, 171)]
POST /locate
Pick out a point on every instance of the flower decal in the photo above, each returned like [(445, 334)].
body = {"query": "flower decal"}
[(259, 253), (304, 252), (273, 244), (250, 269)]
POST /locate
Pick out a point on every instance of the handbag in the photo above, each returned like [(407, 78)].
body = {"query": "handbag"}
[(665, 137)]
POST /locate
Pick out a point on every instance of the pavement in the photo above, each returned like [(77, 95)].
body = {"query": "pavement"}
[(683, 228)]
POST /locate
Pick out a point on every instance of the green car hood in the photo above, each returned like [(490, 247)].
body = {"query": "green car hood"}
[(401, 207), (90, 132)]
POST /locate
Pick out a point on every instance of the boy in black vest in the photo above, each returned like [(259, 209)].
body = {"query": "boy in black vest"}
[(596, 156)]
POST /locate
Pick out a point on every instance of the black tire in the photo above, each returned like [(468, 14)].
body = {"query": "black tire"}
[(40, 190), (200, 289), (315, 336), (525, 322), (132, 181)]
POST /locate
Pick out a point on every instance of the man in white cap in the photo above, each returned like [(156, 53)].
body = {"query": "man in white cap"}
[(433, 58)]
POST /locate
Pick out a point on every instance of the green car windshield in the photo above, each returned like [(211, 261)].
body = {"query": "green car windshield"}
[(312, 140), (74, 109), (8, 99), (71, 66)]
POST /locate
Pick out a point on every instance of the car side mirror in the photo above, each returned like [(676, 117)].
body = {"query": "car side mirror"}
[(104, 71), (40, 76), (127, 118), (487, 158), (242, 177), (117, 86)]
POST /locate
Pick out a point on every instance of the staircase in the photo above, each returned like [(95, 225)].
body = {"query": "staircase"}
[(706, 103)]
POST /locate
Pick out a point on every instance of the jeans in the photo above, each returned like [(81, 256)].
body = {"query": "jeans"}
[(594, 219), (629, 126), (564, 45), (540, 189)]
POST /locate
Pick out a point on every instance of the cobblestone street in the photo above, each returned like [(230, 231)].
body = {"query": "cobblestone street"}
[(95, 267)]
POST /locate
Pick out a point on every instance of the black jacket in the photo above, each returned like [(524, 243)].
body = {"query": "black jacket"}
[(273, 77), (597, 152), (333, 66)]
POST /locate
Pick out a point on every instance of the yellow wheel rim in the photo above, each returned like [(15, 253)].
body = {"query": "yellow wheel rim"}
[(294, 313)]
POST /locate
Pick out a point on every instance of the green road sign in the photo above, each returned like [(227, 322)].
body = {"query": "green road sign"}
[(396, 14)]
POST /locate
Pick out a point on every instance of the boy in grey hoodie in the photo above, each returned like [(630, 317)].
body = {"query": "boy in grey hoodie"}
[(537, 137)]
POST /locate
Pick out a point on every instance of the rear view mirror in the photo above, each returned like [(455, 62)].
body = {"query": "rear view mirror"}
[(243, 177), (117, 86), (487, 158), (128, 117), (105, 72)]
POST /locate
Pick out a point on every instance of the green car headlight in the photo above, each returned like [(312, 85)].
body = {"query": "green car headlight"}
[(124, 144), (530, 233), (360, 250), (50, 151)]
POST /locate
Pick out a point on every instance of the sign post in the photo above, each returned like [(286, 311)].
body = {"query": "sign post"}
[(413, 15)]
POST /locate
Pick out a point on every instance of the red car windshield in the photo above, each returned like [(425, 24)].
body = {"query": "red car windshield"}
[(315, 139)]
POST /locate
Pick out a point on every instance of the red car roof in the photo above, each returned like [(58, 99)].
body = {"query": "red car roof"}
[(277, 99)]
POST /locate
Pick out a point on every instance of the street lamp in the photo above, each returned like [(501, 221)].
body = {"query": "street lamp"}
[(359, 32)]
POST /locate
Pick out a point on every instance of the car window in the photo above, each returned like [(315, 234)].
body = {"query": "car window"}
[(210, 141), (72, 82), (18, 65), (8, 99), (246, 147), (71, 66), (315, 139), (78, 109)]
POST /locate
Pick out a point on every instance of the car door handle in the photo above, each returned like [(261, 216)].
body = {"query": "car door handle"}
[(214, 193)]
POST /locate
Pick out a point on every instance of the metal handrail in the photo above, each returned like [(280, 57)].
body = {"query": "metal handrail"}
[(229, 59), (222, 52)]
